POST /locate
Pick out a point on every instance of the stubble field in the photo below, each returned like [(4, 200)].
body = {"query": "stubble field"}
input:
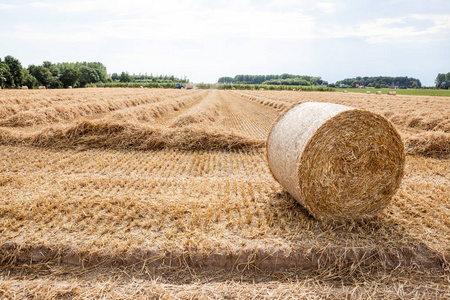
[(138, 193)]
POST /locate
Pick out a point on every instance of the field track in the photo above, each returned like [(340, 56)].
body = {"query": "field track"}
[(135, 193)]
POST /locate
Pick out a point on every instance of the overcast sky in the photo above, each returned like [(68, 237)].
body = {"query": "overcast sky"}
[(205, 40)]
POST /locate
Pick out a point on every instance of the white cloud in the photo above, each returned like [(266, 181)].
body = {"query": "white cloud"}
[(6, 6), (170, 20), (401, 29), (118, 7), (212, 24), (326, 7)]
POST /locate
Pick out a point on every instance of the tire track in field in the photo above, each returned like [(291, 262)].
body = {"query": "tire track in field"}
[(248, 117)]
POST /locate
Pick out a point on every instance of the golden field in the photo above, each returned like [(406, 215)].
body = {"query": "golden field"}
[(153, 193)]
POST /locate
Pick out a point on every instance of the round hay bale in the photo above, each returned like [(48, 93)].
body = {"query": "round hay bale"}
[(378, 92), (340, 163), (24, 87), (368, 92)]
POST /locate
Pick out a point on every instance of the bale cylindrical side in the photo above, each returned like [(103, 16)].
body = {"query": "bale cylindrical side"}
[(339, 162)]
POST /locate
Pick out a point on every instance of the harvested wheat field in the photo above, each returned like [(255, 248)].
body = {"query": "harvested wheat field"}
[(153, 193)]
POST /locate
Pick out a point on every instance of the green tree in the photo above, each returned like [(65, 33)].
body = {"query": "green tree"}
[(41, 73), (115, 77), (15, 69), (52, 68), (88, 75), (70, 77), (55, 83), (29, 80), (125, 77), (226, 80), (5, 76), (442, 81)]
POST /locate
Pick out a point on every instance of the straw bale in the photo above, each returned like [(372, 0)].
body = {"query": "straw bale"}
[(24, 87), (42, 87), (69, 87), (345, 91), (368, 92), (340, 163), (378, 92)]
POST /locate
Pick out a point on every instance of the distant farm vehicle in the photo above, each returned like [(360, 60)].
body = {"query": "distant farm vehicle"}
[(179, 86), (190, 87)]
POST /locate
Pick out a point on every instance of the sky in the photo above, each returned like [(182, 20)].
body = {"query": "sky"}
[(204, 40)]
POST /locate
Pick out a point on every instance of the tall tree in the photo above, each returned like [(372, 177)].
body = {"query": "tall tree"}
[(70, 76), (29, 80), (52, 68), (88, 75), (442, 81), (41, 73), (15, 69), (115, 77), (5, 76), (125, 77)]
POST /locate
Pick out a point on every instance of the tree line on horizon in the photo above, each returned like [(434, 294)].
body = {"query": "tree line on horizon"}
[(283, 79), (144, 78), (75, 74), (82, 74), (382, 82), (442, 81)]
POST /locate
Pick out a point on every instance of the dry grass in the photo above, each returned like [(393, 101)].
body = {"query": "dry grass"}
[(45, 107), (115, 135), (114, 209), (259, 98), (206, 112), (431, 143)]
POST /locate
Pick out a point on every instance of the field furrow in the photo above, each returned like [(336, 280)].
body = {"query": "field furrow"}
[(245, 116)]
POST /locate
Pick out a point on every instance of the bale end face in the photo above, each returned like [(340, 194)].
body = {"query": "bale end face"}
[(349, 167)]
